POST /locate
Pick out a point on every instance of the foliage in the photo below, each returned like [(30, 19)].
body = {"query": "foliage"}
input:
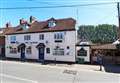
[(103, 33)]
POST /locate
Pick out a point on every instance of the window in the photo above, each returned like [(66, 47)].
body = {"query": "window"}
[(82, 52), (41, 36), (51, 23), (58, 51), (13, 50), (58, 37), (47, 50), (27, 37), (29, 50), (13, 39)]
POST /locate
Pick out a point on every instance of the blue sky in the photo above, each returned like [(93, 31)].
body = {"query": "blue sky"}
[(87, 15)]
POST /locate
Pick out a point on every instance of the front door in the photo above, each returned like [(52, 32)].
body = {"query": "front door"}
[(23, 53), (41, 53)]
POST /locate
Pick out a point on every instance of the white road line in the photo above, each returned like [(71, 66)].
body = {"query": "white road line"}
[(18, 78)]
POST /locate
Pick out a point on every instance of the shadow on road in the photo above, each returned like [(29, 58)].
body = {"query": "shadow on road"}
[(112, 68)]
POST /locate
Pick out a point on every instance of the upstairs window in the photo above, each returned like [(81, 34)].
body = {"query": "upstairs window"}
[(51, 23), (41, 36), (58, 37), (27, 37), (13, 39)]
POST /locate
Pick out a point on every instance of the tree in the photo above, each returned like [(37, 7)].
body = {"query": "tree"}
[(103, 33)]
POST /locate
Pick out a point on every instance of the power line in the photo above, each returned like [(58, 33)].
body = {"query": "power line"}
[(60, 6), (31, 1)]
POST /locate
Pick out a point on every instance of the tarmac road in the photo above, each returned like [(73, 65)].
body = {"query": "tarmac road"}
[(18, 72)]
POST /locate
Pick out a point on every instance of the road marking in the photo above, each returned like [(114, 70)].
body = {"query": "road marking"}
[(18, 78), (70, 72)]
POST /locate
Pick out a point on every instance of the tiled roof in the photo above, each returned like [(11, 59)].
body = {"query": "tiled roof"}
[(8, 30), (42, 26), (104, 47)]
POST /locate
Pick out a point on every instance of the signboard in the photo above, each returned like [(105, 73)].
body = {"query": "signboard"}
[(118, 46)]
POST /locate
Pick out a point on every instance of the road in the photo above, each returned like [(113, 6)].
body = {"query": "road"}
[(18, 72)]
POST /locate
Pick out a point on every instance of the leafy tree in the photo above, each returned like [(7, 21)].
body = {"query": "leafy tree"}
[(103, 33)]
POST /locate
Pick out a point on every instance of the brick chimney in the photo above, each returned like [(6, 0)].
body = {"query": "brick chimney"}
[(8, 24), (32, 19)]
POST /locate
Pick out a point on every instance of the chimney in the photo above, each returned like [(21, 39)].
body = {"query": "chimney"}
[(22, 21), (32, 19), (8, 24)]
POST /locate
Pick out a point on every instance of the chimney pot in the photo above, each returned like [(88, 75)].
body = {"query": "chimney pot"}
[(8, 24), (32, 19)]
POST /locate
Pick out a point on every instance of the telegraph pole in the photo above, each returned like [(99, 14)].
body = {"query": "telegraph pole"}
[(118, 7)]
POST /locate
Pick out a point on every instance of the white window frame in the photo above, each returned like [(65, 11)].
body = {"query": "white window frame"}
[(51, 23), (27, 37), (59, 36), (13, 50), (41, 37), (12, 38), (58, 52), (29, 50)]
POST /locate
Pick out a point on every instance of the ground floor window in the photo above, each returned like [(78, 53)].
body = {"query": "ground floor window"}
[(58, 51), (47, 50), (13, 50), (29, 50)]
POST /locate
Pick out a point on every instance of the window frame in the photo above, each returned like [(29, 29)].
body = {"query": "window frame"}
[(58, 52), (58, 37), (29, 50), (51, 23), (27, 37), (13, 50), (41, 37), (13, 39), (48, 50)]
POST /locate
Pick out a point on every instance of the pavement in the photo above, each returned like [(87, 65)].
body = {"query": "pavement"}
[(24, 72)]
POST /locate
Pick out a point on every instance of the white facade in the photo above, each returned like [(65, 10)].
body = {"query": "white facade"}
[(68, 44)]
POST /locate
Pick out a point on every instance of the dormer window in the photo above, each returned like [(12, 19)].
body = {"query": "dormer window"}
[(51, 23), (25, 26)]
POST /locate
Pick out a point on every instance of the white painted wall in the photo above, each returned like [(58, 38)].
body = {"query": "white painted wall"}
[(69, 40), (86, 58)]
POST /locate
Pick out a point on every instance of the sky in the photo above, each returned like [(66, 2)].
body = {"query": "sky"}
[(84, 15)]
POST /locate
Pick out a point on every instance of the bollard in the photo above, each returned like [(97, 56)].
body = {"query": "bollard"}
[(55, 61)]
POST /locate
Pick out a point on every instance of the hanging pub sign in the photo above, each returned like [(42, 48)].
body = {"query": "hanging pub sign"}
[(82, 52)]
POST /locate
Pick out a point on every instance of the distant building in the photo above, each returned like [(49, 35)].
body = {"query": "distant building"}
[(2, 43), (53, 39), (7, 29)]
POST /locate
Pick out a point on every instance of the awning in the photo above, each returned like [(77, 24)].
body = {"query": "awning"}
[(40, 45), (22, 45)]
